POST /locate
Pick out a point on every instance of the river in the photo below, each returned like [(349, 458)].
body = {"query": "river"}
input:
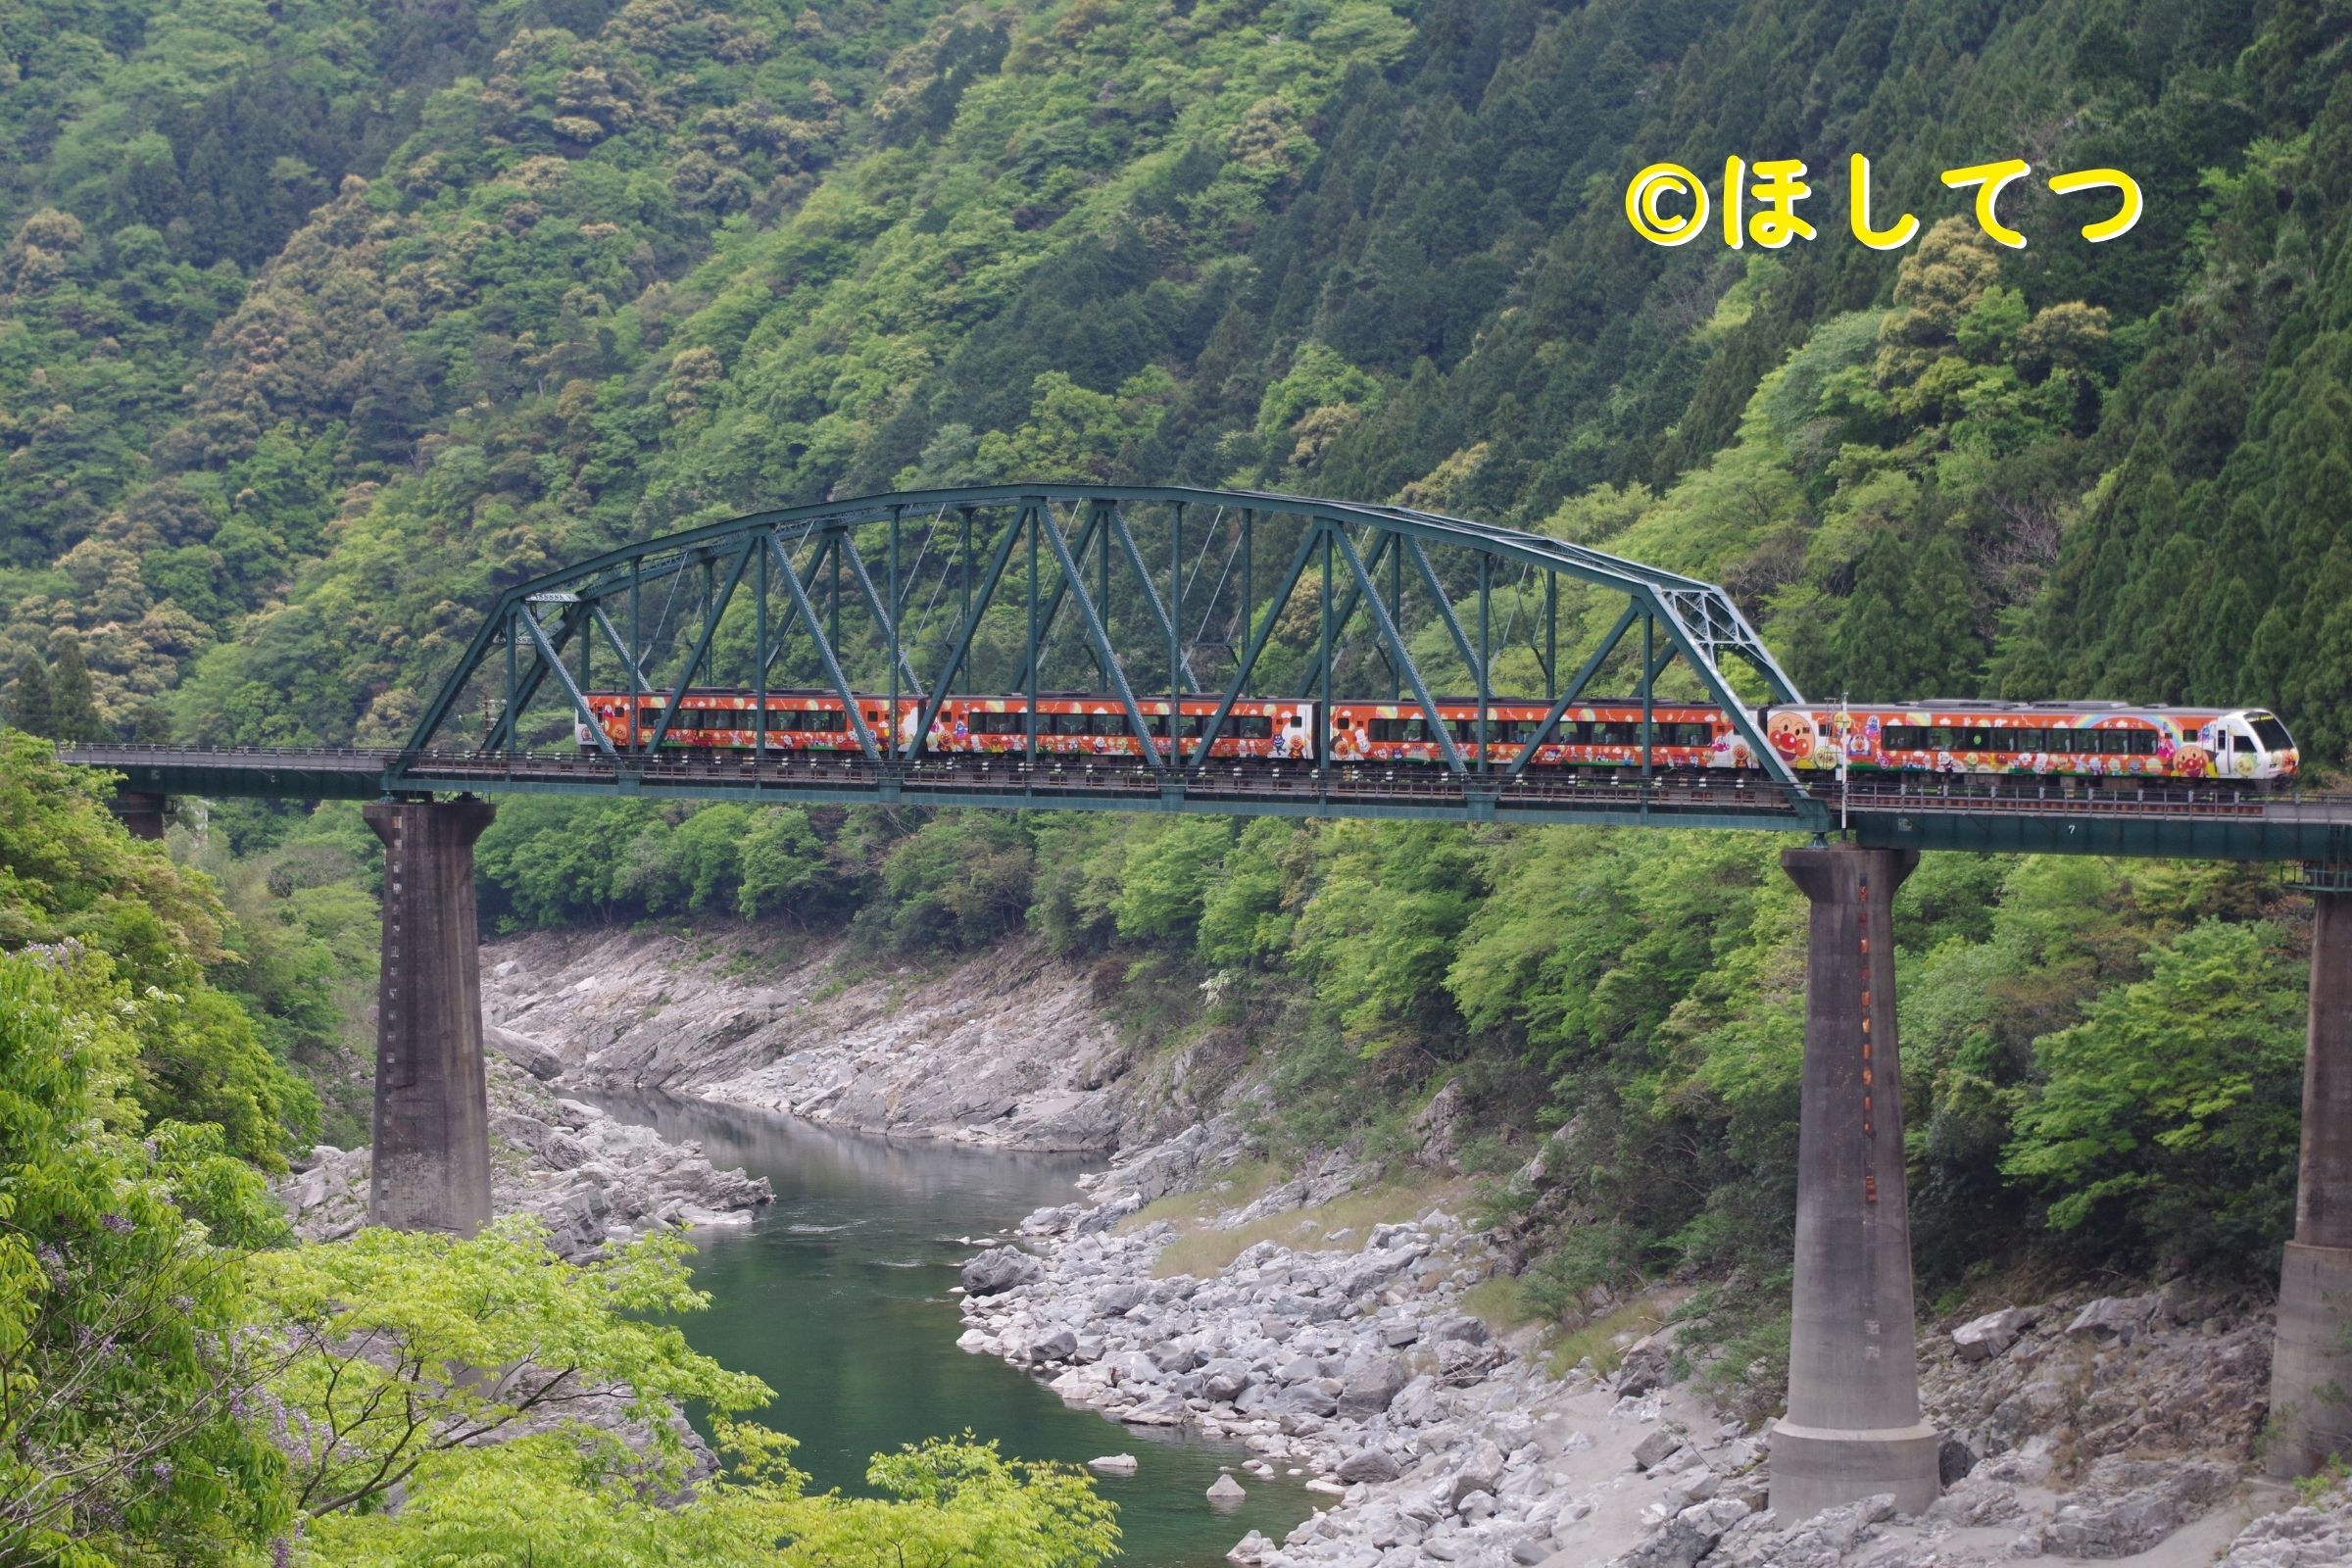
[(837, 1296)]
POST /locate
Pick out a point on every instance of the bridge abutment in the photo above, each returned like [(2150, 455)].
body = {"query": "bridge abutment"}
[(2311, 1368), (1854, 1425), (433, 1115)]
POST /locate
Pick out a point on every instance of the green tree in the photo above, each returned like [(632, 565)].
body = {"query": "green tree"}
[(123, 1433), (1168, 873), (481, 1377), (397, 1328), (32, 707), (784, 870), (1243, 918), (961, 880), (2169, 1114), (73, 709)]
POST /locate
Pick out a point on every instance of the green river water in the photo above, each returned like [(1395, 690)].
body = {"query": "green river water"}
[(837, 1296)]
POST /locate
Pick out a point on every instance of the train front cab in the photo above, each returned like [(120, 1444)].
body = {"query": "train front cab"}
[(2253, 746)]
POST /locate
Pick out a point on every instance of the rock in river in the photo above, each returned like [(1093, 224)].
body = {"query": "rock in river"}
[(1000, 1268)]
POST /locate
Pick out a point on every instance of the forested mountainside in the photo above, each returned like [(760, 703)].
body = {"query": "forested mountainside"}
[(323, 323)]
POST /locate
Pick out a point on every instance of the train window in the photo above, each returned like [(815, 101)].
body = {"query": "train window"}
[(995, 724), (1253, 726), (2273, 734)]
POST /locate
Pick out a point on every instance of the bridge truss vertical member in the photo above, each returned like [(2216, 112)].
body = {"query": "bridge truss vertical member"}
[(431, 1164), (1854, 1425), (2311, 1366)]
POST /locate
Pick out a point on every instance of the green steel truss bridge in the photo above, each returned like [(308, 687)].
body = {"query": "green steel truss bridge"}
[(1145, 593)]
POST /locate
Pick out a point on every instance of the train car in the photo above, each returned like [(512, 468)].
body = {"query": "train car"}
[(726, 720), (1602, 737), (1096, 724), (1069, 724), (2107, 742)]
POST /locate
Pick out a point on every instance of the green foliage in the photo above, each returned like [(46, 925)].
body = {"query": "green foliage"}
[(958, 1505), (397, 1328), (123, 1429), (2181, 1092), (1245, 918), (1378, 937), (159, 940), (959, 880), (1167, 877)]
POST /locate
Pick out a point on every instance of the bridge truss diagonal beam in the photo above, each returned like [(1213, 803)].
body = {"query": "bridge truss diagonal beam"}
[(1401, 658), (1073, 580), (825, 654)]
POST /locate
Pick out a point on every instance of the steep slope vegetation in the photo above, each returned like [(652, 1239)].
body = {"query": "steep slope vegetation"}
[(673, 261)]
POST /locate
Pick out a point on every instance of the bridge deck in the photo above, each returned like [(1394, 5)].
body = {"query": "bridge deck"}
[(2211, 822)]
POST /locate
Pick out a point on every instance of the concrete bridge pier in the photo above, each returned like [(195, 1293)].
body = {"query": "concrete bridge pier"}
[(432, 1114), (141, 812), (2311, 1368), (1853, 1426)]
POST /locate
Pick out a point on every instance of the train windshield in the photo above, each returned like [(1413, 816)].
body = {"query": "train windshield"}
[(2273, 734)]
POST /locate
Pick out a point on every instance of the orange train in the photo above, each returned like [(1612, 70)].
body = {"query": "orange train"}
[(1599, 738)]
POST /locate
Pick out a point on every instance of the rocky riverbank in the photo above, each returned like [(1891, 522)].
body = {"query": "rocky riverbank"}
[(1007, 1049), (2081, 1429)]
